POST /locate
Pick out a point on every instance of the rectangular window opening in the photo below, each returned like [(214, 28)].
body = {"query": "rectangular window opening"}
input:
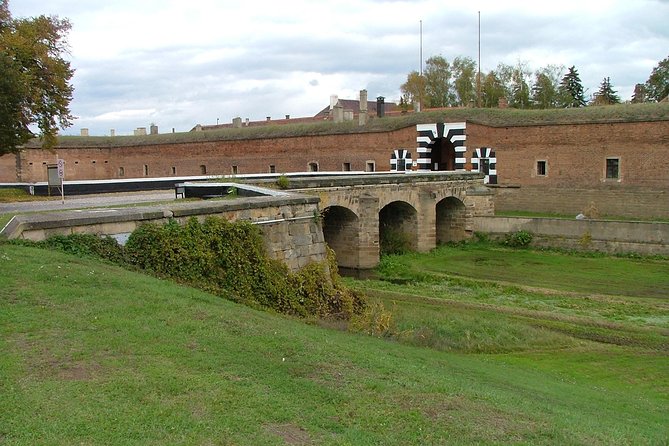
[(146, 170), (235, 170), (272, 168), (370, 166), (541, 168), (174, 170), (121, 171), (203, 169), (612, 168), (346, 167)]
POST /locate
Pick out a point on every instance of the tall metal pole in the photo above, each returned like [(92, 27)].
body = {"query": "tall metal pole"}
[(478, 77), (421, 47)]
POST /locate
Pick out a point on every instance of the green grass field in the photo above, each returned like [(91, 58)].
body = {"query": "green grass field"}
[(93, 354)]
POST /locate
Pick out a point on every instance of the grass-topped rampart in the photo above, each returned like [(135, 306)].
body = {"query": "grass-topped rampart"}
[(494, 117)]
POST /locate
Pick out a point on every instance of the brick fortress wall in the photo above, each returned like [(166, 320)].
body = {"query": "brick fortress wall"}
[(574, 155)]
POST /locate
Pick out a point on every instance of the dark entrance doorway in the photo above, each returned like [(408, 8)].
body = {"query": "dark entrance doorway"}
[(442, 155)]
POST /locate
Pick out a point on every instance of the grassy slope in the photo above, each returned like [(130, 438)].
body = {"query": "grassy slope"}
[(92, 354)]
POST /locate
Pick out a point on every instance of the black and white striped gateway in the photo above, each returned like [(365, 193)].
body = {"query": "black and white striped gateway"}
[(441, 146), (485, 161), (400, 160)]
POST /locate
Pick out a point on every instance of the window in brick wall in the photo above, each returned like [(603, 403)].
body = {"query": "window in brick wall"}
[(174, 170), (203, 169), (541, 168), (235, 170), (121, 171), (370, 166), (272, 168), (612, 168), (346, 167), (312, 167), (146, 170)]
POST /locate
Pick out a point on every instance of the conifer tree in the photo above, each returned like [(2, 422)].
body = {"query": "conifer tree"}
[(571, 89), (606, 95)]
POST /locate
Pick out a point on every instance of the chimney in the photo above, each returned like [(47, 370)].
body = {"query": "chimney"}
[(333, 101), (237, 123), (380, 107), (362, 117), (84, 132), (154, 129), (140, 131), (287, 117), (112, 132), (269, 118)]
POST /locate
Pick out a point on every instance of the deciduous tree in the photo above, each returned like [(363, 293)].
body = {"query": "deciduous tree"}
[(546, 86), (413, 90), (35, 85), (438, 82), (492, 90), (657, 85), (464, 74)]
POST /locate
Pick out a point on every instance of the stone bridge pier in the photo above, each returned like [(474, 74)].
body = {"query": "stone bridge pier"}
[(364, 214)]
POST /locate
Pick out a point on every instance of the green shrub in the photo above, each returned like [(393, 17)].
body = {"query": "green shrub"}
[(518, 239), (394, 241), (82, 245), (229, 258), (283, 182)]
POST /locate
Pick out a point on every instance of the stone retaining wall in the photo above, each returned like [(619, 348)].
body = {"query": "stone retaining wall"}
[(648, 238)]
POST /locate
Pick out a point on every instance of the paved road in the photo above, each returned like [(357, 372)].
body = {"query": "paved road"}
[(87, 201)]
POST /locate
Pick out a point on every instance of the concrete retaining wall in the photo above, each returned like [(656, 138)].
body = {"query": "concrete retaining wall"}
[(649, 238)]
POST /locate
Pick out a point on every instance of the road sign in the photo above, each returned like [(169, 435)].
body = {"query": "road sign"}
[(61, 168)]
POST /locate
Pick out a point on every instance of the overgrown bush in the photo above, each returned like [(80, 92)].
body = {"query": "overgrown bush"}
[(283, 182), (224, 258), (82, 245), (229, 258), (394, 241), (518, 239)]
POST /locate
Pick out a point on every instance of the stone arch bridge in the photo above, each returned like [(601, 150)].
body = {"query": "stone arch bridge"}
[(354, 214), (361, 213)]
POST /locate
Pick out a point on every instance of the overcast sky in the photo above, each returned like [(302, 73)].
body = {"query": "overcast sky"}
[(178, 63)]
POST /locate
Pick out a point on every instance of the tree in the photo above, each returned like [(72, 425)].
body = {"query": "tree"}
[(606, 95), (657, 85), (438, 82), (35, 79), (413, 90), (520, 91), (571, 89), (492, 90), (546, 86), (639, 95), (464, 73)]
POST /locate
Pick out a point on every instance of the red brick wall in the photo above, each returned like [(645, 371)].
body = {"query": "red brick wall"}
[(8, 168), (575, 158), (250, 156), (576, 155)]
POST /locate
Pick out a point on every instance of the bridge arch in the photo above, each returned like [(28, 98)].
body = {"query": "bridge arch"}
[(341, 231), (398, 227), (451, 220)]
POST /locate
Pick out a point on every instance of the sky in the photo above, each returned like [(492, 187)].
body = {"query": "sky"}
[(176, 63)]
